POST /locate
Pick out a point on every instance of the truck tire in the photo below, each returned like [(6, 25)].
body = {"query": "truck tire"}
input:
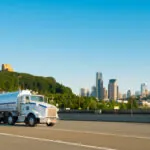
[(5, 120), (31, 121), (11, 120), (50, 124)]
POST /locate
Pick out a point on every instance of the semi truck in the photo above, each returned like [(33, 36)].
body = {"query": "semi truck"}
[(23, 106)]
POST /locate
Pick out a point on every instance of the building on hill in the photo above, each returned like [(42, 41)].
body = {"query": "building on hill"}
[(7, 67)]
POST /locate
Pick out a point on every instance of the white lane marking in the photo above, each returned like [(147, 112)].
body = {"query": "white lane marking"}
[(99, 133), (57, 141)]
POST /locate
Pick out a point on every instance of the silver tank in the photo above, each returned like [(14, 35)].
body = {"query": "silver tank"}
[(8, 101), (9, 97)]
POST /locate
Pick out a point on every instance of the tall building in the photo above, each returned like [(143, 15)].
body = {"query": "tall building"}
[(112, 89), (105, 93), (128, 93), (137, 93), (87, 93), (7, 67), (84, 92), (146, 92), (93, 93), (99, 86), (143, 89), (118, 94), (124, 96)]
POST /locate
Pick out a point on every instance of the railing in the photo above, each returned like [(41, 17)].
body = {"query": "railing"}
[(136, 111)]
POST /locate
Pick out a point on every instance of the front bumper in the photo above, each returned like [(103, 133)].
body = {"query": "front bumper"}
[(48, 120)]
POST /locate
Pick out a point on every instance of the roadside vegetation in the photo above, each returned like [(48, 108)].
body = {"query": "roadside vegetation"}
[(89, 103)]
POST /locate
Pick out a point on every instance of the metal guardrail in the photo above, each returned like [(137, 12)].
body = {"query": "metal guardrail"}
[(76, 111), (137, 111)]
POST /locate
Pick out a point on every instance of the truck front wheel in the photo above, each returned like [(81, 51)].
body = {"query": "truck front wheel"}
[(31, 121)]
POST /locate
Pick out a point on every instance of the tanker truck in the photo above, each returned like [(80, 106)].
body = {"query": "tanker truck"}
[(23, 106)]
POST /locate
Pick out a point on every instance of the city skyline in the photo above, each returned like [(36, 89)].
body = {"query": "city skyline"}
[(99, 90), (72, 40)]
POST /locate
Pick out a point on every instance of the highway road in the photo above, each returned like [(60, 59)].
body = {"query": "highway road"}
[(76, 135)]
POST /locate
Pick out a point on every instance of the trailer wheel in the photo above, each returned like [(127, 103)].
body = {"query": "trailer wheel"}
[(31, 120), (11, 120), (5, 120)]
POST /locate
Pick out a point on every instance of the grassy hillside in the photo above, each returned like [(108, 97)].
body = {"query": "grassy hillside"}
[(10, 81)]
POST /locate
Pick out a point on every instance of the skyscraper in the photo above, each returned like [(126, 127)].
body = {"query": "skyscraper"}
[(117, 92), (128, 93), (88, 93), (146, 92), (93, 93), (83, 92), (99, 86), (105, 94), (112, 89), (124, 96), (143, 89), (137, 93), (120, 96)]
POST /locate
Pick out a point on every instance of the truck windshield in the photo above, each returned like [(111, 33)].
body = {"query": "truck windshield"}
[(37, 98)]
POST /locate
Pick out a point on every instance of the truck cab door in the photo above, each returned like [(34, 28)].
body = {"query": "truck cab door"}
[(23, 102), (20, 104), (25, 107), (21, 109)]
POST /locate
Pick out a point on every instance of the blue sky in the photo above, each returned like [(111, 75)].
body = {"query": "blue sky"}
[(73, 39)]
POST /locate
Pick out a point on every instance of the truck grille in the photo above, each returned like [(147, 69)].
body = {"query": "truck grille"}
[(51, 112)]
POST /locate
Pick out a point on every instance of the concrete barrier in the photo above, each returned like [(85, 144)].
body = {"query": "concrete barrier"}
[(105, 117)]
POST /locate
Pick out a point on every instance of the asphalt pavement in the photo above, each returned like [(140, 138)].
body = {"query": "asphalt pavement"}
[(76, 135)]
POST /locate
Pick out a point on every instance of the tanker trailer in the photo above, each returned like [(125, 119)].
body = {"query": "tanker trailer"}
[(23, 106)]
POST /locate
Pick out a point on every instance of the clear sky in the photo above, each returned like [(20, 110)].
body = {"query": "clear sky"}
[(73, 39)]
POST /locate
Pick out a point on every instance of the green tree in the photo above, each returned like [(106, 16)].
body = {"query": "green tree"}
[(92, 105), (123, 106), (132, 103)]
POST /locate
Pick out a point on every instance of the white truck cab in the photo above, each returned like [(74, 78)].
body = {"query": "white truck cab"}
[(26, 107)]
